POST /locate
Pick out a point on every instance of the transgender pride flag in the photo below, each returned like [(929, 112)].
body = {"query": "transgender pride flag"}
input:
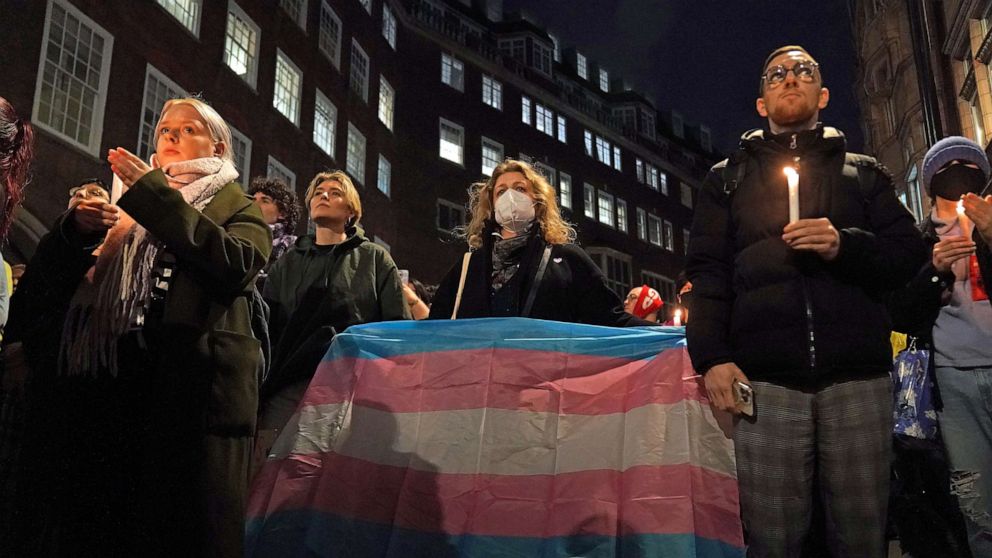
[(500, 437)]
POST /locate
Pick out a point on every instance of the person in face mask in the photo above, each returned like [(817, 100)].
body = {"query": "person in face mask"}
[(523, 260), (946, 307)]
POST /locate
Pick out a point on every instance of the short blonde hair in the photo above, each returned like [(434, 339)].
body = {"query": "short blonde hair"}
[(554, 229), (219, 130), (350, 192)]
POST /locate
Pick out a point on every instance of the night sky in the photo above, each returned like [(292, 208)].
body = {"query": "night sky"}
[(703, 57)]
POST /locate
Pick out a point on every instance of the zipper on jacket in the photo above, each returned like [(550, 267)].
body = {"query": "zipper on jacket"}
[(811, 339)]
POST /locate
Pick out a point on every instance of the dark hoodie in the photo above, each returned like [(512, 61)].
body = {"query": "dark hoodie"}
[(316, 291), (787, 316)]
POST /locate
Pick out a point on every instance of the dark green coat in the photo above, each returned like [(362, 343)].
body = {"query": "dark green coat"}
[(185, 412)]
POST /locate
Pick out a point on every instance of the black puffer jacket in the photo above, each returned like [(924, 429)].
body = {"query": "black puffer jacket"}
[(787, 316)]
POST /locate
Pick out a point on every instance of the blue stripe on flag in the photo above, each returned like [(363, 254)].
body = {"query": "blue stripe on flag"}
[(308, 533), (388, 339)]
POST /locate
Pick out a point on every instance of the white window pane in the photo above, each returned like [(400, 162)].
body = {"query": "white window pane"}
[(73, 71), (561, 129), (587, 135), (492, 155), (452, 141), (492, 92), (580, 66), (385, 175), (241, 148), (329, 38), (616, 157), (525, 110), (389, 25), (356, 154), (604, 80), (186, 11), (452, 72), (606, 213), (325, 116), (642, 224), (241, 43), (621, 215), (158, 90), (278, 170), (289, 83), (387, 98), (565, 190), (359, 82), (589, 201), (297, 11)]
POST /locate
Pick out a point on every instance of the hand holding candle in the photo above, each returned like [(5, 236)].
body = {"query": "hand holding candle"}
[(793, 176), (677, 319), (963, 220)]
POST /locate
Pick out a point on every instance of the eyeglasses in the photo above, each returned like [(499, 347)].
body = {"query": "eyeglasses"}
[(804, 70), (87, 192)]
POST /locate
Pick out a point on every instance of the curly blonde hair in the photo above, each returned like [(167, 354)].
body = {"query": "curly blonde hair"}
[(554, 229)]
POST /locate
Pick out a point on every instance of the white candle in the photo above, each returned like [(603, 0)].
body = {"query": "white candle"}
[(962, 219), (677, 320), (793, 176), (116, 190)]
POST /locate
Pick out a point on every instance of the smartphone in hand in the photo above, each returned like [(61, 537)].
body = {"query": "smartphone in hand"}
[(744, 398), (404, 276)]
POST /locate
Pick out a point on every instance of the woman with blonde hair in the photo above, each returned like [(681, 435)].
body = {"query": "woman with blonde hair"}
[(523, 260), (142, 445)]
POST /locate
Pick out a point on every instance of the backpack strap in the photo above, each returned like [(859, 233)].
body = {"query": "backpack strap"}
[(734, 171), (538, 279)]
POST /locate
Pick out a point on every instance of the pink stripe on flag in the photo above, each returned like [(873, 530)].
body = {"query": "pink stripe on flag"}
[(642, 500), (527, 381)]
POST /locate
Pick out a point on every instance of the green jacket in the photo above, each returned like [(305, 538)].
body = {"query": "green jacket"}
[(314, 292)]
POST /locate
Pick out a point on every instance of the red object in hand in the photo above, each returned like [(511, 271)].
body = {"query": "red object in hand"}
[(975, 277)]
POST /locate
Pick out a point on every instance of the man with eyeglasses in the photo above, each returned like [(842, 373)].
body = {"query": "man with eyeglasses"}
[(787, 300), (89, 189)]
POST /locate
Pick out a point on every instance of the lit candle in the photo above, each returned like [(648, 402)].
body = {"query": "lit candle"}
[(962, 219), (116, 190), (793, 176), (678, 317)]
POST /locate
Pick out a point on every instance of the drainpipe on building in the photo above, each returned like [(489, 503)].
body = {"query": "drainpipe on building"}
[(922, 47)]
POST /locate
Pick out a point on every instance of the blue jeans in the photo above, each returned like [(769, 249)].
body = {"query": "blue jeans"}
[(966, 425)]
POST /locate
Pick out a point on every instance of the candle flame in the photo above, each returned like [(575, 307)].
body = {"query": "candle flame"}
[(960, 207)]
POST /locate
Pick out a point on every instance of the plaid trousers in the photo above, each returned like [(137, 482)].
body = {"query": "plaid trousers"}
[(843, 435)]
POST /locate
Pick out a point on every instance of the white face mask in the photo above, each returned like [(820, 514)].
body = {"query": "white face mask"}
[(514, 211)]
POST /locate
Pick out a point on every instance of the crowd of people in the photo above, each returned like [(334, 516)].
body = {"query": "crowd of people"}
[(167, 326)]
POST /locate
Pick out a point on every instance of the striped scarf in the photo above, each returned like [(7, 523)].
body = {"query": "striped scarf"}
[(116, 291)]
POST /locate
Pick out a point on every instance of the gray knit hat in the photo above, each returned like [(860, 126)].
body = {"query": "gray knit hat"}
[(952, 148)]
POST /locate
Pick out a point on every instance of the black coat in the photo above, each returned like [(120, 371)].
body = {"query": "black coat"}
[(787, 316), (573, 289)]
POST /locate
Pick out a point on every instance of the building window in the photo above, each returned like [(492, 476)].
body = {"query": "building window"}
[(275, 169), (452, 72), (589, 201), (385, 170), (241, 43), (329, 39), (915, 196), (525, 110), (241, 149), (492, 155), (450, 215), (977, 120), (359, 71), (389, 25), (678, 125), (492, 92), (669, 237), (653, 176), (686, 195), (654, 230), (514, 48), (186, 11), (452, 141), (580, 66), (561, 129), (158, 90), (73, 70), (545, 119), (587, 136), (367, 4), (663, 183), (297, 10), (615, 266), (387, 98), (621, 215), (646, 124), (544, 170), (542, 58), (660, 283), (603, 150), (685, 241), (325, 118), (607, 215), (604, 80), (565, 190), (355, 164), (616, 157), (289, 83), (639, 167), (642, 224)]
